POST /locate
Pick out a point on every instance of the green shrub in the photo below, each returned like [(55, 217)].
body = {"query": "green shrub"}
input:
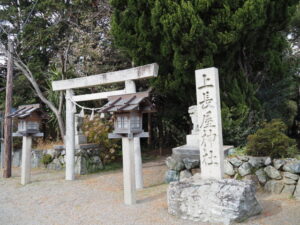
[(46, 159), (97, 131), (271, 140)]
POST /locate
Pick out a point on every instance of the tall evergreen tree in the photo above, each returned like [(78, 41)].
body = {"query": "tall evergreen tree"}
[(244, 39)]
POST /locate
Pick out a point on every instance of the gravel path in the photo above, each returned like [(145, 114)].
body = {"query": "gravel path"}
[(97, 199)]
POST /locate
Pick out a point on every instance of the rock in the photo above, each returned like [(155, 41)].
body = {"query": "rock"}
[(184, 174), (195, 171), (257, 162), (228, 168), (54, 165), (297, 191), (261, 176), (268, 161), (288, 190), (96, 159), (252, 178), (174, 164), (191, 163), (214, 201), (289, 181), (272, 173), (292, 167), (291, 175), (245, 169), (243, 158), (278, 163), (235, 161), (274, 186), (171, 176)]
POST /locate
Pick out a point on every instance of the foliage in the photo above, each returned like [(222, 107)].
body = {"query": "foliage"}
[(244, 39), (271, 140), (47, 159), (97, 131), (57, 40)]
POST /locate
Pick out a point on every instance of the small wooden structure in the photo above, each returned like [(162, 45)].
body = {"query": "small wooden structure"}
[(29, 118), (128, 110)]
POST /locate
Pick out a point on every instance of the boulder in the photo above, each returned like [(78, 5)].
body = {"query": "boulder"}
[(253, 178), (174, 163), (184, 174), (291, 175), (235, 161), (257, 162), (245, 169), (191, 163), (268, 161), (214, 201), (274, 186), (289, 181), (261, 176), (292, 167), (272, 172), (228, 168), (243, 158), (278, 163), (288, 190), (171, 176)]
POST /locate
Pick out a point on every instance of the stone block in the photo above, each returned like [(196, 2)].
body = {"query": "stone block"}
[(261, 176), (257, 162), (235, 161), (184, 174), (268, 161), (272, 173), (297, 191), (174, 163), (289, 181), (191, 163), (213, 201), (228, 168), (291, 175), (292, 167), (288, 190), (278, 163), (171, 176), (245, 169), (274, 186)]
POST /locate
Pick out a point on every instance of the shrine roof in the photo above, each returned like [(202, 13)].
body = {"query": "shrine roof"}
[(24, 111), (127, 103)]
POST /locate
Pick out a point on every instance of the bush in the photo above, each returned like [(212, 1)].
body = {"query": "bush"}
[(97, 131), (46, 159), (271, 140)]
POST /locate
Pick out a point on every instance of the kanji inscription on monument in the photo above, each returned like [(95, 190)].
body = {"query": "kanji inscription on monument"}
[(210, 124)]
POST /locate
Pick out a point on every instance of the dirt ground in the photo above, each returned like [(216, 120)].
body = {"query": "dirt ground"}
[(97, 199)]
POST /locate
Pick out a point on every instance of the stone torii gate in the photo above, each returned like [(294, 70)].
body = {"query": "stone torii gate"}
[(128, 76)]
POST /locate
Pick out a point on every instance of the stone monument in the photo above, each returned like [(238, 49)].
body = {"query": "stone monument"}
[(207, 197), (191, 149), (79, 136), (210, 123)]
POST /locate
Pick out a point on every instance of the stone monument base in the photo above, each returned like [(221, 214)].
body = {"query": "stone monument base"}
[(215, 201), (192, 152)]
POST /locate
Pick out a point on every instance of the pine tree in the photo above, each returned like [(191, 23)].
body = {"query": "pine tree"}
[(244, 39)]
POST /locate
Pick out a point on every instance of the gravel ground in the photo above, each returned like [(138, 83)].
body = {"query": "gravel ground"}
[(97, 199)]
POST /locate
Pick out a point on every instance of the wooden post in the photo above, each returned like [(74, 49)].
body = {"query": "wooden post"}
[(70, 137), (128, 171), (131, 88), (8, 121), (26, 160)]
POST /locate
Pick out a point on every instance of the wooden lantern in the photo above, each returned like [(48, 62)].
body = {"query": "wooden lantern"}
[(29, 118), (128, 110)]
